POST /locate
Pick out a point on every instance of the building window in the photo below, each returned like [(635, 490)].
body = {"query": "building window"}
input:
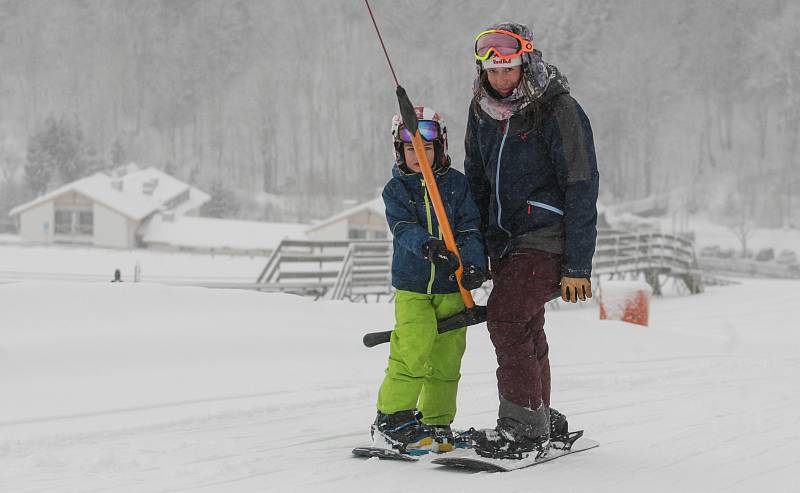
[(366, 234), (356, 234), (74, 222), (63, 223), (85, 223)]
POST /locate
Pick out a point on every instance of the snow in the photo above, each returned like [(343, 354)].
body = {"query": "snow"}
[(707, 232), (139, 387), (220, 234), (710, 233), (164, 188), (130, 199), (98, 188), (86, 263), (375, 205), (6, 238)]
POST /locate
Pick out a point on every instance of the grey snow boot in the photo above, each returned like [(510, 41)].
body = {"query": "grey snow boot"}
[(507, 441)]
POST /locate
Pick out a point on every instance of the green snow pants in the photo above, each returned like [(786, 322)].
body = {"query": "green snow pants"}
[(424, 366)]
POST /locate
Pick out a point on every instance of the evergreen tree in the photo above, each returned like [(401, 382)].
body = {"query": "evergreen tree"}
[(55, 152), (223, 203), (40, 166), (118, 156), (677, 94)]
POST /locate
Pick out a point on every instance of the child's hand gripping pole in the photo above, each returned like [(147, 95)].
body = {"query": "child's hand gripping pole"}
[(409, 117)]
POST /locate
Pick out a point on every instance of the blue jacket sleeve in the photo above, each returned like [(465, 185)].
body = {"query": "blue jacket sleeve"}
[(474, 170), (572, 150), (467, 228), (402, 218)]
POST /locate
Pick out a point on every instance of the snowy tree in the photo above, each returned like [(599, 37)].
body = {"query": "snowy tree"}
[(40, 165), (56, 152), (118, 157), (777, 84), (223, 203), (675, 92), (740, 205), (12, 194)]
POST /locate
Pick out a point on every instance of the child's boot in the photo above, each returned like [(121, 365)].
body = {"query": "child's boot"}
[(400, 431), (443, 440)]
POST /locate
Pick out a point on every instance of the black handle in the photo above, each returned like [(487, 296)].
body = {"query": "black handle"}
[(473, 316), (407, 112), (374, 338)]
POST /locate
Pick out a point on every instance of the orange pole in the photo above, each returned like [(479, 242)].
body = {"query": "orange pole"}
[(441, 215)]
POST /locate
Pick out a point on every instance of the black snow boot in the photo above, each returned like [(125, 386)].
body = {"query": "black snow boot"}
[(507, 442), (559, 428), (400, 431)]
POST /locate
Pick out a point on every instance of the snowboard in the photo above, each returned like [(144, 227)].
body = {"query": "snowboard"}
[(469, 459)]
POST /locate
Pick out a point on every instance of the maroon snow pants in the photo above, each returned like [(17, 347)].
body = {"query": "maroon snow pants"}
[(523, 282)]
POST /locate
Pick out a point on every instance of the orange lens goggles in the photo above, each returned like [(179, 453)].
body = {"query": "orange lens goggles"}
[(505, 45)]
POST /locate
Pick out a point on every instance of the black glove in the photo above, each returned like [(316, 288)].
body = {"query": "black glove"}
[(472, 277), (436, 251)]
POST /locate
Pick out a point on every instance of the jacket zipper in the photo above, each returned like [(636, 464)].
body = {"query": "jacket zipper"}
[(542, 205), (430, 232), (497, 178)]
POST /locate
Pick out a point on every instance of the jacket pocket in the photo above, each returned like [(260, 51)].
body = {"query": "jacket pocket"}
[(542, 205)]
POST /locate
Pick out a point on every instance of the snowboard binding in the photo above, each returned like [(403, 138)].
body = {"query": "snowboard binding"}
[(565, 443)]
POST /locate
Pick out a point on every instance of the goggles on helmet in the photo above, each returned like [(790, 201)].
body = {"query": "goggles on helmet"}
[(429, 130), (505, 45)]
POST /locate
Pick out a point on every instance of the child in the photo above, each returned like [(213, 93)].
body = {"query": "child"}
[(424, 366)]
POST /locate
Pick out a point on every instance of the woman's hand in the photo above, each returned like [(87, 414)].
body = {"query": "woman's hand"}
[(575, 288)]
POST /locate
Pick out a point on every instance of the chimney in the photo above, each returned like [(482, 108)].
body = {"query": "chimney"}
[(149, 186)]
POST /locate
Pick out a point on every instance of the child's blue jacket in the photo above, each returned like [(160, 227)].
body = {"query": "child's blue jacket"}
[(412, 221)]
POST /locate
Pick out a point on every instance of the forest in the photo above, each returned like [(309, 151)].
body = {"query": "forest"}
[(284, 107)]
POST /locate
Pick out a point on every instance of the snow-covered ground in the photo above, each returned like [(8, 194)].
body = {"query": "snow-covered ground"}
[(710, 233), (152, 388), (61, 262), (86, 263)]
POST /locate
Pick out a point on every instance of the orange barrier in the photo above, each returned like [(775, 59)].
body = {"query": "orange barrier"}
[(626, 301)]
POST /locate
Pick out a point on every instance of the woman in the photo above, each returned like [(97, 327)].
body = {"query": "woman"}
[(531, 166)]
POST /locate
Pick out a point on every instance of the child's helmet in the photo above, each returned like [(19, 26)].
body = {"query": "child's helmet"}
[(432, 128)]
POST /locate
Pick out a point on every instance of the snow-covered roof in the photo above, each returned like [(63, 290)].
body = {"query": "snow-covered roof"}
[(164, 186), (221, 234), (137, 194), (375, 205)]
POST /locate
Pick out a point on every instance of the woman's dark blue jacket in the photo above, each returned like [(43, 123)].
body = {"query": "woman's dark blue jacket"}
[(534, 179)]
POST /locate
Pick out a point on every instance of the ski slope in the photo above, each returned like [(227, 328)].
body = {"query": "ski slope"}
[(151, 388)]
